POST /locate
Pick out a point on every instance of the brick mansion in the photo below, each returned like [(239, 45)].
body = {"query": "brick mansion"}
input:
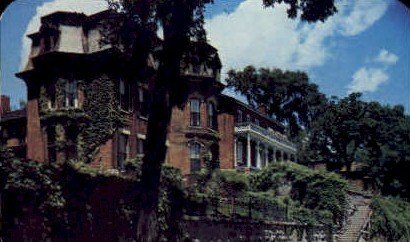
[(67, 56)]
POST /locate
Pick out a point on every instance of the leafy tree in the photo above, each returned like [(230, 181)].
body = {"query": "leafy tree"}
[(340, 125), (287, 95), (368, 133)]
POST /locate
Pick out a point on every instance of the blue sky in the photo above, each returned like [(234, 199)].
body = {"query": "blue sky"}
[(365, 47)]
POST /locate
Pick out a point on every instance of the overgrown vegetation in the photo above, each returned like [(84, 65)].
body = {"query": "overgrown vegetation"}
[(323, 194), (101, 105), (390, 219), (282, 191), (75, 201)]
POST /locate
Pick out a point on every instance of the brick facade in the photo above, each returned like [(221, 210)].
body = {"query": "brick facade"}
[(213, 137)]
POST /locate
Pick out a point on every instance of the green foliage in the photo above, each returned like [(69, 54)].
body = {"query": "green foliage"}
[(227, 184), (43, 99), (101, 106), (321, 192), (288, 95), (390, 219), (64, 195), (368, 133)]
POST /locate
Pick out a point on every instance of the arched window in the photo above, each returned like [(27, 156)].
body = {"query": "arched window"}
[(195, 156), (195, 112), (212, 117)]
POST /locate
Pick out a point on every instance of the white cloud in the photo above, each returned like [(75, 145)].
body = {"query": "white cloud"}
[(84, 6), (367, 80), (363, 15), (386, 57), (264, 37)]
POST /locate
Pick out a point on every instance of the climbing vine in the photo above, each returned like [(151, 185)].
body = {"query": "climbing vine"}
[(101, 106), (43, 99), (60, 95)]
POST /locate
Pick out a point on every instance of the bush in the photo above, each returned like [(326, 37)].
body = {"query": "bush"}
[(390, 219), (321, 192)]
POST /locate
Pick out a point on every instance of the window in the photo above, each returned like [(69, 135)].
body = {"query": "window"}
[(239, 153), (239, 117), (212, 117), (248, 118), (143, 102), (140, 147), (71, 142), (122, 150), (196, 69), (195, 156), (125, 96), (195, 112), (71, 98)]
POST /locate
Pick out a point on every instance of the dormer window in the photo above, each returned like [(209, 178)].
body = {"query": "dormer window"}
[(239, 118), (71, 96), (248, 118)]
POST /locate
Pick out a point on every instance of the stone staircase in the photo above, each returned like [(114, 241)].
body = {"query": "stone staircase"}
[(358, 219)]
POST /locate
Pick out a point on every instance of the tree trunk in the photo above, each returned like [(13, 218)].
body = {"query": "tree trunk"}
[(163, 99)]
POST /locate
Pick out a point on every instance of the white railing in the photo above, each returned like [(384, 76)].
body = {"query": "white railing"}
[(248, 126)]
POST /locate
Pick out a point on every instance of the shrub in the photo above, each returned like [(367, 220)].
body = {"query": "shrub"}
[(390, 219), (322, 192)]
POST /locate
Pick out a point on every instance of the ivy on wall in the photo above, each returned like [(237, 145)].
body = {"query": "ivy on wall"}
[(43, 99), (60, 92), (101, 106), (97, 119)]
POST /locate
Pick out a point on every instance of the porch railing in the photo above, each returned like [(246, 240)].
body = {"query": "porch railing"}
[(265, 132)]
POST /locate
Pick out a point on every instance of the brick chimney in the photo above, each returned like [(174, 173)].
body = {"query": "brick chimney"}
[(4, 104), (262, 109)]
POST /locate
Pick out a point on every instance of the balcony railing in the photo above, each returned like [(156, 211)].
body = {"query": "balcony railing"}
[(249, 126)]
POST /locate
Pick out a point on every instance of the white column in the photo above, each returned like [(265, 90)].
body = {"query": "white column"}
[(266, 156), (274, 154), (281, 156), (235, 163), (248, 150), (258, 155)]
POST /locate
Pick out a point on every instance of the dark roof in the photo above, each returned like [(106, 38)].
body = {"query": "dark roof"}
[(13, 115), (236, 101), (63, 16)]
